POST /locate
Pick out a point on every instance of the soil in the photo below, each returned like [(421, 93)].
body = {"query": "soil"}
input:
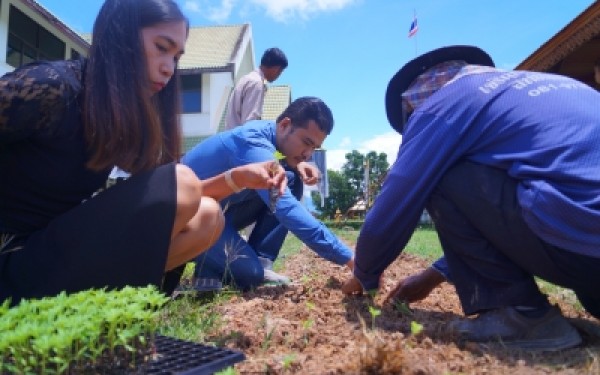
[(310, 327)]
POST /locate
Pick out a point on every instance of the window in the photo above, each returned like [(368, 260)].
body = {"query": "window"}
[(74, 54), (191, 89), (28, 41)]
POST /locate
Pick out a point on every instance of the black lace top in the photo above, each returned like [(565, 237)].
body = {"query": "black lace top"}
[(42, 148)]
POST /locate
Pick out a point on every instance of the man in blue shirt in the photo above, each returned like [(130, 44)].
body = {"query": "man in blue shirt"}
[(508, 165), (298, 131)]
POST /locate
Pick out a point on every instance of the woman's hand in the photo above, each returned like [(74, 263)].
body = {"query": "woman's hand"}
[(308, 172)]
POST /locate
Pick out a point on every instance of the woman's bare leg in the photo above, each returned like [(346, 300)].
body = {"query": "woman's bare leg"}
[(198, 223)]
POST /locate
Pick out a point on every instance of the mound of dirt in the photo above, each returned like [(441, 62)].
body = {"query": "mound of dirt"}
[(310, 327)]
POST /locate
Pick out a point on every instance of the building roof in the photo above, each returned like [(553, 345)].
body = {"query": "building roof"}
[(56, 22), (360, 205), (212, 48), (209, 48), (573, 50), (277, 99)]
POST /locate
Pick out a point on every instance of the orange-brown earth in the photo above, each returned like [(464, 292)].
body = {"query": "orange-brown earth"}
[(310, 327)]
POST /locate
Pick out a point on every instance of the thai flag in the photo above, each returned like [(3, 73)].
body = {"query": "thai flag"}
[(413, 28)]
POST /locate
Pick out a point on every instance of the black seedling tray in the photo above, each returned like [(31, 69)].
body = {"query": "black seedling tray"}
[(174, 356)]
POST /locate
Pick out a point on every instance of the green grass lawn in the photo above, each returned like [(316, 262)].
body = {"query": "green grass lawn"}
[(423, 243)]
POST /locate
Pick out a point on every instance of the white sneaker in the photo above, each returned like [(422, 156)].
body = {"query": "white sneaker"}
[(271, 276)]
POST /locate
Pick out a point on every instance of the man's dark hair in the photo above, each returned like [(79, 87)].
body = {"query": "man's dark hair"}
[(274, 57), (307, 108)]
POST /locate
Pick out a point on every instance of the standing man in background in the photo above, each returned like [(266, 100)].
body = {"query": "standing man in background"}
[(246, 100)]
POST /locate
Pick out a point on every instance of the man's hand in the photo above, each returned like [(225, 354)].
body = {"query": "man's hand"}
[(416, 287), (308, 172), (352, 287), (350, 264)]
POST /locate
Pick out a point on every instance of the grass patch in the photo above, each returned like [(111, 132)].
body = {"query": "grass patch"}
[(190, 318), (424, 241)]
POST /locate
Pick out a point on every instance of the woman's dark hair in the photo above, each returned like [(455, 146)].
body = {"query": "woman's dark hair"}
[(307, 108), (125, 126)]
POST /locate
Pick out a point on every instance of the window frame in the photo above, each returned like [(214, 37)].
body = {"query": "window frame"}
[(191, 93), (20, 50)]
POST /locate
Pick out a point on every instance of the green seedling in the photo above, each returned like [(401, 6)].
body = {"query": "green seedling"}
[(278, 155), (415, 328), (288, 361), (269, 330), (274, 192), (375, 312), (307, 324)]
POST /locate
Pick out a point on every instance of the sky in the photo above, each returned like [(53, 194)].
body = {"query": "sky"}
[(346, 51)]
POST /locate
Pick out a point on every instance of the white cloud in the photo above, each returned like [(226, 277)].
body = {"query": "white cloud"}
[(217, 13), (346, 142), (336, 158), (388, 143), (192, 6), (285, 10), (221, 13), (279, 10)]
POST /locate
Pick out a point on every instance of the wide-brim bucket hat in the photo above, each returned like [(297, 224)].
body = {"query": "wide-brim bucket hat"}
[(412, 69)]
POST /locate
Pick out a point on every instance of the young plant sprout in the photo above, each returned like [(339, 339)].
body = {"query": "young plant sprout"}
[(273, 192), (415, 328)]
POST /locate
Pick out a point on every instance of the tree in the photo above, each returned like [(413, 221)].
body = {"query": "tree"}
[(354, 171), (341, 195)]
